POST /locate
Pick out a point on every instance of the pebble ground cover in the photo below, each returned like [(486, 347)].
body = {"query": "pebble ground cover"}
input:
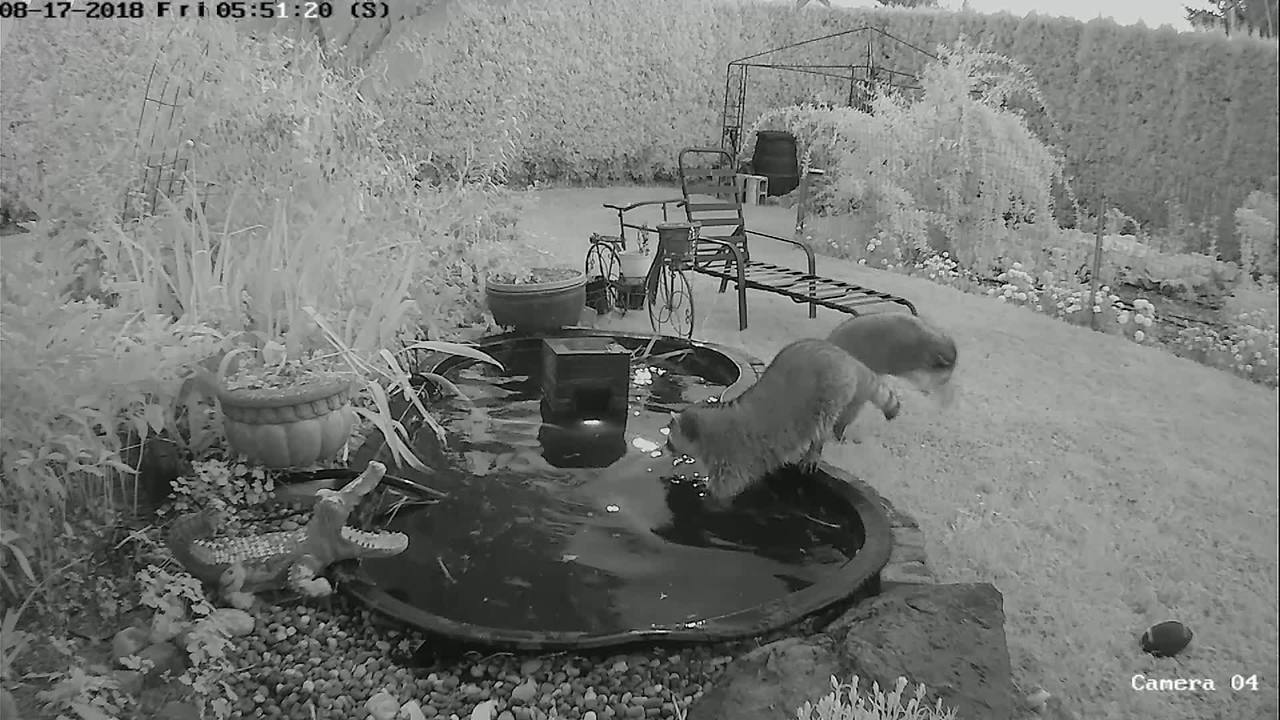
[(1101, 485)]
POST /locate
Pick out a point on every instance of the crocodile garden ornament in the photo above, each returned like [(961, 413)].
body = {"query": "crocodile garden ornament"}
[(242, 566)]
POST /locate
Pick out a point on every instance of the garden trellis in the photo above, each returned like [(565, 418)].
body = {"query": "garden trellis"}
[(858, 80)]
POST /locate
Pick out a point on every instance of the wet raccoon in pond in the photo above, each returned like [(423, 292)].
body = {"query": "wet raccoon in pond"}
[(811, 391)]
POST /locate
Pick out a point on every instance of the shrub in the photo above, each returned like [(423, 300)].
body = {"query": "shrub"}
[(956, 170), (77, 378), (1258, 231)]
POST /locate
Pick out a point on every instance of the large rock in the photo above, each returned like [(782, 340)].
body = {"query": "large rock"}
[(770, 682), (949, 637)]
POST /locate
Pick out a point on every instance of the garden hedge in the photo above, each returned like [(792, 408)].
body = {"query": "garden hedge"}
[(608, 90)]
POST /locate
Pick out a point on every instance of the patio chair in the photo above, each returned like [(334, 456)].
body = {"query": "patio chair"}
[(712, 201)]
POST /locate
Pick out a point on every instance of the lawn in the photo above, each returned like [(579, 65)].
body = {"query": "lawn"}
[(1101, 485)]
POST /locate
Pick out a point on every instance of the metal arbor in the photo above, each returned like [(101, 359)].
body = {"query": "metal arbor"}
[(862, 76)]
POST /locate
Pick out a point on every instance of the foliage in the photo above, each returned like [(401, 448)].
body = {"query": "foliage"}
[(955, 171), (845, 702), (78, 377), (13, 643), (182, 611), (89, 695), (233, 485), (1248, 16), (487, 78), (1249, 346), (54, 160), (1258, 232), (294, 225)]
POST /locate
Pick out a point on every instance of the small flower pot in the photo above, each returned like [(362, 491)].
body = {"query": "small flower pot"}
[(552, 299), (634, 264), (292, 426)]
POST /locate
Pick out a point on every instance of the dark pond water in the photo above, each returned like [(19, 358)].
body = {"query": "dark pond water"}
[(552, 525)]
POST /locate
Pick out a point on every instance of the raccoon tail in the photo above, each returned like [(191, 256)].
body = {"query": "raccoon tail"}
[(879, 392)]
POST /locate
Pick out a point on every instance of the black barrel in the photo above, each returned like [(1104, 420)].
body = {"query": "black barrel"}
[(775, 158)]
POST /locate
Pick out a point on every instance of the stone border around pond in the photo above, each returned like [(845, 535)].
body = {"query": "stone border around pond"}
[(908, 562)]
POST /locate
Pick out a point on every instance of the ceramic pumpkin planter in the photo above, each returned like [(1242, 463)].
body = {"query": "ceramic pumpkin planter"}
[(291, 426)]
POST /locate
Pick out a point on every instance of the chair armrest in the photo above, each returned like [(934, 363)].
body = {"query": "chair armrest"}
[(808, 251), (628, 208)]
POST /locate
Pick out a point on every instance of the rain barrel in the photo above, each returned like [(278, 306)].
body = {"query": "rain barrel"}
[(775, 158)]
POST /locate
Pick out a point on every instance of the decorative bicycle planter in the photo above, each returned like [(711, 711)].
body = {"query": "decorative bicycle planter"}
[(548, 299), (624, 279)]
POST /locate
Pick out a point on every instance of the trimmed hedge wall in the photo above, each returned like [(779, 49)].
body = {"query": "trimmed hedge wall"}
[(608, 90)]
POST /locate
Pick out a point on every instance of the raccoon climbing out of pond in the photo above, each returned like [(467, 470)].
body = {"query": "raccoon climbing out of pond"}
[(810, 392), (900, 345)]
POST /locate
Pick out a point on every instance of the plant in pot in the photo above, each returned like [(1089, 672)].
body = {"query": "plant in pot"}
[(530, 298), (284, 411), (290, 408), (635, 262)]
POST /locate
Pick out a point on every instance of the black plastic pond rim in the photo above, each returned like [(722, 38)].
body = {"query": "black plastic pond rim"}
[(857, 579)]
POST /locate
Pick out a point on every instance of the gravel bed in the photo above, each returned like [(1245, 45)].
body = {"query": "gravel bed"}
[(331, 657)]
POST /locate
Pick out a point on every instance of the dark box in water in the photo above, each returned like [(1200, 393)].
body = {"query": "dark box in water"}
[(585, 379)]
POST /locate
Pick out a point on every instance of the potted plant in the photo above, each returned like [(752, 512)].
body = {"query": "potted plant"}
[(284, 412), (635, 264), (539, 299)]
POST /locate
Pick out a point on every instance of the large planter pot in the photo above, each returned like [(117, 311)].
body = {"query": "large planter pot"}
[(552, 300), (292, 426)]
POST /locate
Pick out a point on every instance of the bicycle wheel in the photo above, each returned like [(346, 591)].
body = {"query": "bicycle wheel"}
[(603, 271), (671, 303)]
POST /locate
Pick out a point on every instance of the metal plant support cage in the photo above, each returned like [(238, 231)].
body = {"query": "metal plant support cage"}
[(159, 140), (862, 78)]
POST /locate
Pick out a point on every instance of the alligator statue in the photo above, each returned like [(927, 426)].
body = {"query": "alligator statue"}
[(241, 566)]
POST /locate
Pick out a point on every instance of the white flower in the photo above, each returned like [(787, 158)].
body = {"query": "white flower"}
[(1020, 296), (1123, 317), (1016, 266), (1097, 309), (862, 261), (1139, 336)]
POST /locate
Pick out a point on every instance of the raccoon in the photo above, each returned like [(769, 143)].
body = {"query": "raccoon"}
[(900, 345), (811, 391)]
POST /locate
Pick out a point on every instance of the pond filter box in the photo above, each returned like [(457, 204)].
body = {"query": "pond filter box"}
[(585, 379)]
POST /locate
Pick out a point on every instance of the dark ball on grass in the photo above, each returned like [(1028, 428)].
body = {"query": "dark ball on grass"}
[(1166, 639)]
